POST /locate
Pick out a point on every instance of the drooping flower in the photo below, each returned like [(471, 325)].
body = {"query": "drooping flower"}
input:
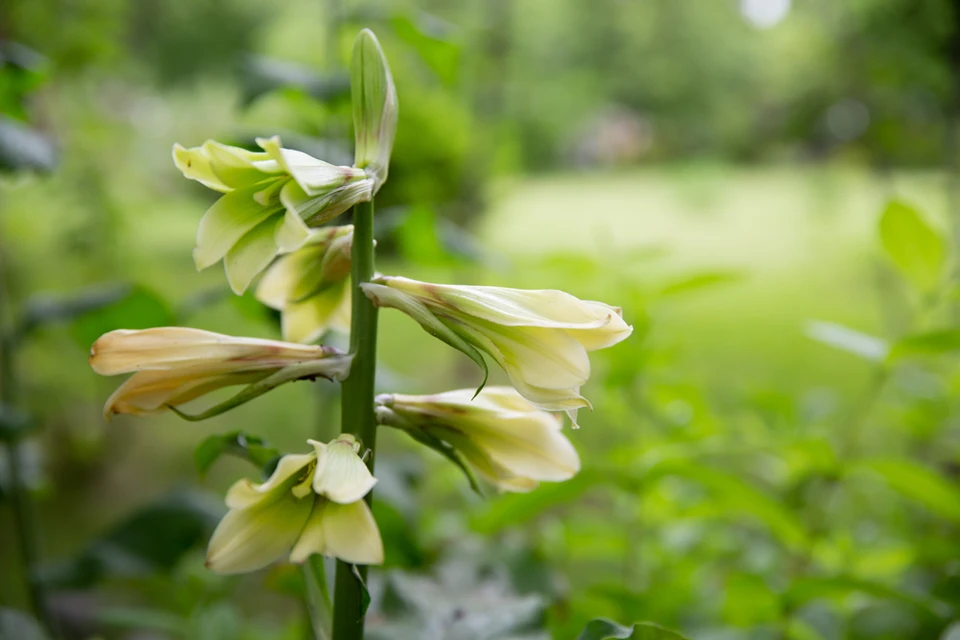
[(312, 503), (311, 286), (502, 436), (539, 337), (270, 200), (174, 365)]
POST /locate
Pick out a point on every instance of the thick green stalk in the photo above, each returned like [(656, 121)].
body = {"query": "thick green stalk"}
[(356, 404)]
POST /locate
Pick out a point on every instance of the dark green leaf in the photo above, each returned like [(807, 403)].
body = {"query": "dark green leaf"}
[(13, 424), (140, 309), (364, 594), (236, 443), (804, 590), (601, 629), (23, 148), (263, 75), (914, 246), (917, 482), (151, 540), (434, 40)]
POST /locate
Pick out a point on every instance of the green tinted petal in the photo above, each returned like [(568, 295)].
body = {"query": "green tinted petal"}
[(314, 176), (229, 219), (341, 475), (235, 166), (250, 539), (251, 254), (194, 163), (245, 494)]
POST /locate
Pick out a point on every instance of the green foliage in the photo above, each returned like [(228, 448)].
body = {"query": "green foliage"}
[(236, 443), (916, 248), (606, 630)]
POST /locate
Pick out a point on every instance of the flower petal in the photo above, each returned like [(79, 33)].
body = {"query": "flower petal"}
[(307, 321), (344, 531), (374, 98), (341, 475), (489, 468), (251, 254), (194, 163), (229, 219), (314, 176), (150, 392), (245, 494), (166, 348), (250, 539)]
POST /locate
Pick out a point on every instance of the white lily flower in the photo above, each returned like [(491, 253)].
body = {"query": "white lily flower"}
[(270, 200), (506, 439), (312, 503), (311, 286), (539, 337), (174, 365)]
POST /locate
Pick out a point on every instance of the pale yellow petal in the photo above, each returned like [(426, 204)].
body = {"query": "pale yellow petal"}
[(341, 475), (245, 494), (344, 531), (250, 539)]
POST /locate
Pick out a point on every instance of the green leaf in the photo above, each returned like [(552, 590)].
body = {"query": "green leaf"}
[(23, 148), (143, 618), (140, 309), (364, 593), (236, 443), (151, 540), (849, 340), (927, 344), (918, 483), (374, 106), (517, 508), (13, 424), (699, 281), (914, 246), (262, 75), (804, 590), (434, 41), (601, 629), (17, 625)]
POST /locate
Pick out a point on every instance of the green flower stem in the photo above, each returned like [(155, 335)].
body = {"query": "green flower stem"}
[(318, 597), (357, 408)]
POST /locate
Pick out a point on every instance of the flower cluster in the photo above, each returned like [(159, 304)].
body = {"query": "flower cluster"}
[(312, 503)]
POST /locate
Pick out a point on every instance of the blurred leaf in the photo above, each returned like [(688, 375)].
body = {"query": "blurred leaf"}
[(262, 75), (748, 601), (849, 340), (42, 309), (516, 508), (601, 629), (447, 451), (419, 238), (236, 443), (151, 540), (918, 483), (433, 39), (734, 495), (140, 309), (142, 618), (915, 247), (25, 148), (16, 625), (13, 424), (21, 71), (803, 590), (700, 281), (929, 343)]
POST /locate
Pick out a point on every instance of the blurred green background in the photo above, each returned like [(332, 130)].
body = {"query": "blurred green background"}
[(756, 466)]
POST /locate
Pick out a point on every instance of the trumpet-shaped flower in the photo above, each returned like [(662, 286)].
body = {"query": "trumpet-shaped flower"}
[(539, 337), (504, 437), (311, 286), (174, 365), (312, 503), (270, 199)]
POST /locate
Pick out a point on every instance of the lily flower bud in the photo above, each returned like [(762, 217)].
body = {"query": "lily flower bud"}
[(507, 440), (539, 337), (270, 200), (312, 503), (174, 365), (311, 286), (374, 107)]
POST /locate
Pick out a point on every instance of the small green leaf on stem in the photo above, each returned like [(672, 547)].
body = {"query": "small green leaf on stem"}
[(364, 594), (236, 443), (915, 247), (601, 629)]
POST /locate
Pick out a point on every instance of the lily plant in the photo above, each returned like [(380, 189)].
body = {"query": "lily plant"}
[(271, 223)]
